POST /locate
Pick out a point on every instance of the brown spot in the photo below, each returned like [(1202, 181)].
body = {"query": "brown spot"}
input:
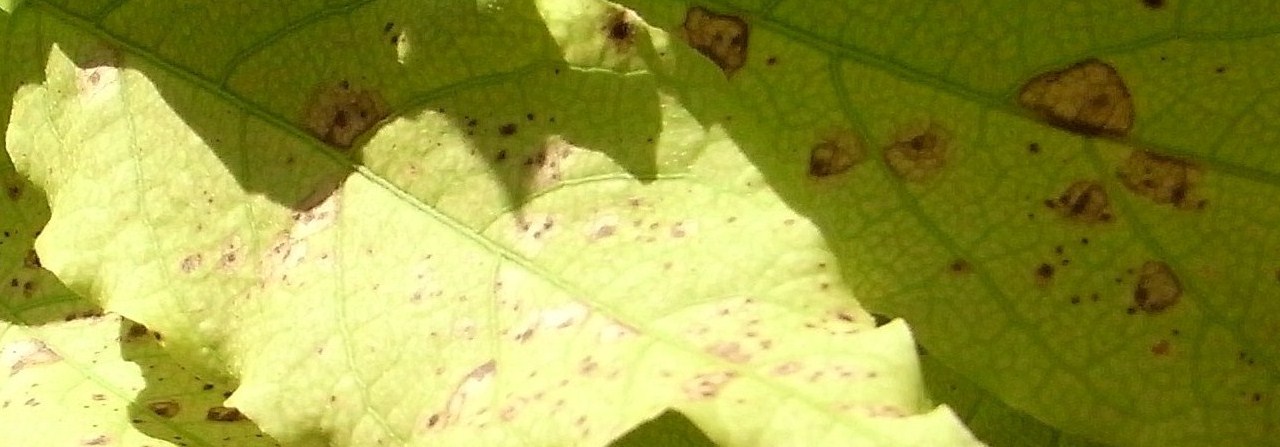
[(507, 129), (338, 114), (1033, 148), (1161, 348), (708, 385), (1157, 288), (98, 72), (323, 192), (721, 38), (191, 263), (960, 266), (1153, 4), (835, 154), (29, 288), (22, 354), (96, 440), (771, 61), (546, 162), (135, 330), (1088, 98), (1084, 201), (620, 29), (731, 351), (1044, 273), (223, 414), (1162, 179), (919, 155), (786, 369), (14, 192), (32, 261), (164, 408), (91, 313)]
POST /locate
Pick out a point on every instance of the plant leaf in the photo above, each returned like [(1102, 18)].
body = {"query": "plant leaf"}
[(392, 223), (1073, 205)]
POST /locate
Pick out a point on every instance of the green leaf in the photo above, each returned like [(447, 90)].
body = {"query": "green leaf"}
[(445, 225), (1118, 282), (9, 6)]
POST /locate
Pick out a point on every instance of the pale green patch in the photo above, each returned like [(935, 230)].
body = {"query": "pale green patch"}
[(524, 252)]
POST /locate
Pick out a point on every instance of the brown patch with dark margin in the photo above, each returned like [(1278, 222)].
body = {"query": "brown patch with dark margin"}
[(164, 408), (720, 37), (1084, 201), (835, 154), (1157, 288), (339, 113), (1089, 98), (920, 155), (1162, 179), (223, 414)]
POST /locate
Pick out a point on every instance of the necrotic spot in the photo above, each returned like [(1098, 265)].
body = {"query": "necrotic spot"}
[(919, 156), (1162, 179), (1157, 288), (721, 38), (338, 114), (1089, 98), (1084, 201), (835, 154)]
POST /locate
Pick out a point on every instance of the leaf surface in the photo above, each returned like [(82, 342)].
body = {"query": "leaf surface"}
[(1113, 274), (460, 223)]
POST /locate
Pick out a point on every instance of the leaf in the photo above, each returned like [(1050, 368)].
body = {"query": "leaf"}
[(453, 224), (975, 169)]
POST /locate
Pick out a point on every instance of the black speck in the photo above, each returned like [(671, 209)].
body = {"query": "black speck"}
[(388, 27), (1033, 148)]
